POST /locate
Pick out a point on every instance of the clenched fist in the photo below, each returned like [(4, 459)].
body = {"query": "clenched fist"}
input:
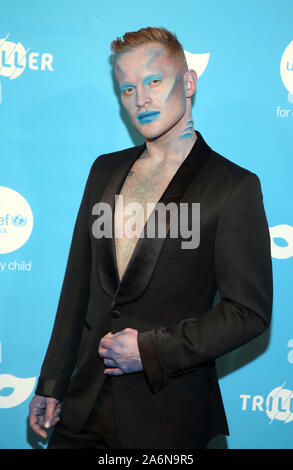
[(120, 352)]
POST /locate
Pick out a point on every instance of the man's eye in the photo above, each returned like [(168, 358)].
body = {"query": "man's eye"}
[(127, 91), (155, 82)]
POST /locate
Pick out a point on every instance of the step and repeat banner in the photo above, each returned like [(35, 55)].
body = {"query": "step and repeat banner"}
[(60, 110)]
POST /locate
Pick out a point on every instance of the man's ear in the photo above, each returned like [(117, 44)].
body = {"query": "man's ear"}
[(190, 81)]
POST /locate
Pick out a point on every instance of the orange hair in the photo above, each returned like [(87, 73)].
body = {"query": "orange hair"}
[(147, 35)]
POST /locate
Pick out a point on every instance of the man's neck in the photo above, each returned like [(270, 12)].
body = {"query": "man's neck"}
[(173, 146)]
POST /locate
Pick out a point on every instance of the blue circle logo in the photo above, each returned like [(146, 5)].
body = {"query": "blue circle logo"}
[(19, 220)]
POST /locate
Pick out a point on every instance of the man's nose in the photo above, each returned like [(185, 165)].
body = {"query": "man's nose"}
[(142, 96)]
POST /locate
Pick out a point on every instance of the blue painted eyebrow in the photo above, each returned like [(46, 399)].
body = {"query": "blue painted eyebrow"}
[(126, 85), (150, 78), (146, 81)]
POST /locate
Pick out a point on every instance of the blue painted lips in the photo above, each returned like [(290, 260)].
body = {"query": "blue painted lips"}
[(148, 116)]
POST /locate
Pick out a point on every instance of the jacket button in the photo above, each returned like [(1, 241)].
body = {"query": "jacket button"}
[(116, 314)]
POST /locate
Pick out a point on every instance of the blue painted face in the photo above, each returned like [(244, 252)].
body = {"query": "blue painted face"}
[(152, 89), (128, 88)]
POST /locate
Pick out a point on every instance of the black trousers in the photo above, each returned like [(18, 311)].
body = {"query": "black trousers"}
[(99, 432)]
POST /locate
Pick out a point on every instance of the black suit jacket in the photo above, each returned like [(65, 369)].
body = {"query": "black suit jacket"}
[(167, 293)]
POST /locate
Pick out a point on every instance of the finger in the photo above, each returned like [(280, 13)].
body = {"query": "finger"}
[(41, 432), (57, 414), (107, 336), (106, 342), (36, 427), (56, 420), (113, 371), (36, 414), (103, 348), (101, 351), (107, 353), (37, 410), (109, 362), (50, 412)]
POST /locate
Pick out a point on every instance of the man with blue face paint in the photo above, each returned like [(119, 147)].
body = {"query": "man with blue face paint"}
[(131, 360)]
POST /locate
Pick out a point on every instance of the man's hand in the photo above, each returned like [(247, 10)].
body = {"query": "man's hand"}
[(44, 412), (120, 352)]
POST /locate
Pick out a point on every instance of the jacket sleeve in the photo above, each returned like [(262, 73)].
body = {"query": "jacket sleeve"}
[(62, 351), (243, 270)]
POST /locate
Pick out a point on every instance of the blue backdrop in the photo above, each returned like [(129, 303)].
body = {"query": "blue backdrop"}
[(59, 111)]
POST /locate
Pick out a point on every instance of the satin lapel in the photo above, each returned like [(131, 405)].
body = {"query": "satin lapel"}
[(147, 250), (106, 253)]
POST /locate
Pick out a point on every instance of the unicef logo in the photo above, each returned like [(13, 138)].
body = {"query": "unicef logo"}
[(19, 220), (16, 220), (286, 70)]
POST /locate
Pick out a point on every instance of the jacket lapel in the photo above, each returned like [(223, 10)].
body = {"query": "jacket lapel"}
[(147, 250)]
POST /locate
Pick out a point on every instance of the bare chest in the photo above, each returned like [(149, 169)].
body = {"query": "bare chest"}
[(142, 189)]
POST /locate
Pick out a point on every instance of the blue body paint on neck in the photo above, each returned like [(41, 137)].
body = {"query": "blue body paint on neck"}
[(188, 131), (186, 136), (190, 128)]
